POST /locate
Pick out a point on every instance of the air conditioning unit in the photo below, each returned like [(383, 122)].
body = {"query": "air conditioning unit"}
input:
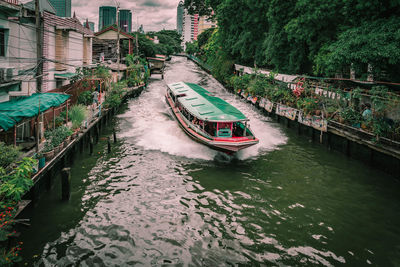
[(2, 75), (9, 74)]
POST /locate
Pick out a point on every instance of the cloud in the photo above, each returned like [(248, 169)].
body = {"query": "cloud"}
[(154, 15)]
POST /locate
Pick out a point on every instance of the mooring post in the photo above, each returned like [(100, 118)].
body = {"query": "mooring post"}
[(89, 136), (348, 147), (81, 144), (106, 118), (328, 140), (114, 135), (49, 179), (312, 134), (72, 156), (97, 135), (65, 183), (109, 145), (91, 146)]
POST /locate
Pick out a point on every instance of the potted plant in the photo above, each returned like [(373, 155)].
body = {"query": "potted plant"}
[(77, 115), (68, 132), (48, 151), (42, 160), (57, 140)]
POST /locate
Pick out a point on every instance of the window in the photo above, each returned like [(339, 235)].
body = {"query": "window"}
[(3, 42), (59, 83)]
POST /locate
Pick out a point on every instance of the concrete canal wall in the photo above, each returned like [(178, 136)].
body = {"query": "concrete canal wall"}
[(383, 155)]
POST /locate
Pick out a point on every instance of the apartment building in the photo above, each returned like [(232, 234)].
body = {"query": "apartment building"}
[(67, 45)]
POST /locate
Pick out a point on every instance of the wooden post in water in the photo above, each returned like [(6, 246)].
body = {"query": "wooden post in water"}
[(81, 144), (96, 134), (65, 183), (328, 140), (114, 135), (108, 145), (348, 147), (91, 146)]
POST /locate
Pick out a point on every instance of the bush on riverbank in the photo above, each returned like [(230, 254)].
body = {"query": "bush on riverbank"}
[(8, 154), (13, 185), (114, 96)]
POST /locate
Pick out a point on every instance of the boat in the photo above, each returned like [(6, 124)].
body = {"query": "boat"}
[(157, 65), (208, 119)]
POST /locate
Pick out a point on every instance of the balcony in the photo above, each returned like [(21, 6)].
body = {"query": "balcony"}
[(12, 2)]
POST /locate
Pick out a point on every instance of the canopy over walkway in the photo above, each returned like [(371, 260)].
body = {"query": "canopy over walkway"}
[(14, 111)]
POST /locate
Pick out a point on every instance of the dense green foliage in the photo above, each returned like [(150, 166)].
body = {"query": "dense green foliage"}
[(308, 36), (169, 43), (137, 72), (8, 154), (85, 98), (13, 185), (77, 114), (114, 97)]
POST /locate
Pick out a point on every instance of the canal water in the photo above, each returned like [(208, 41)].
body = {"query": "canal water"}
[(161, 199)]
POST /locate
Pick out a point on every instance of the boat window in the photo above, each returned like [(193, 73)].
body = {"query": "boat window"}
[(181, 95), (210, 128), (224, 129)]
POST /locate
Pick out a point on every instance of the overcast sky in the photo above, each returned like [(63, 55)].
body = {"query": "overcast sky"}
[(153, 14)]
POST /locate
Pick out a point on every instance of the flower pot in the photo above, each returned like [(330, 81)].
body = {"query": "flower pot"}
[(67, 140), (42, 162), (48, 155), (60, 146), (74, 135)]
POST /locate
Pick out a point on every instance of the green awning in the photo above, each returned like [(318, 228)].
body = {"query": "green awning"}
[(203, 105), (14, 111), (67, 75)]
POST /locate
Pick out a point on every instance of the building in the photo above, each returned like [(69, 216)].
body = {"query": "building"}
[(187, 25), (62, 7), (105, 44), (125, 20), (204, 24), (67, 45), (107, 16), (18, 52), (190, 27), (91, 25), (179, 17)]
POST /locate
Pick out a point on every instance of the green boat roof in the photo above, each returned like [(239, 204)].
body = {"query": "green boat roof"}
[(203, 105)]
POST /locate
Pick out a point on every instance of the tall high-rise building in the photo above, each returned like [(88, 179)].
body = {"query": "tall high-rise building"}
[(125, 20), (179, 17), (107, 16), (91, 25), (190, 27), (62, 7)]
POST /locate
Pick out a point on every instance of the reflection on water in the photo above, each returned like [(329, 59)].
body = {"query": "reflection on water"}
[(162, 199)]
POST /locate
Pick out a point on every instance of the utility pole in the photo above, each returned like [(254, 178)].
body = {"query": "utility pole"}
[(39, 67), (38, 48), (118, 53), (136, 41)]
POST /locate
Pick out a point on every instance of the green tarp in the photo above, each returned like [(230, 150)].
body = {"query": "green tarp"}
[(67, 75), (203, 105), (12, 112)]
